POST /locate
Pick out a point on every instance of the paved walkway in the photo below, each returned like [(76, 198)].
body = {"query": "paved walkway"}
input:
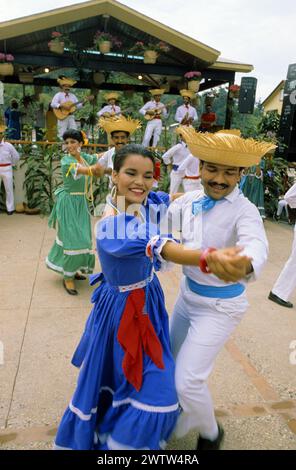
[(253, 383)]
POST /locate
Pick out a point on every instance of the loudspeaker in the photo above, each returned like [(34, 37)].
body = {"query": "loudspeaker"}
[(247, 95)]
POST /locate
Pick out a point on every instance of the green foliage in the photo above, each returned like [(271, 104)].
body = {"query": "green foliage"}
[(42, 176), (274, 182), (269, 123)]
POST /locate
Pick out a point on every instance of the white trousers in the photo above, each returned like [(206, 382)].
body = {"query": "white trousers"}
[(199, 328), (154, 128), (191, 185), (286, 281), (281, 205), (176, 180), (65, 125), (7, 176)]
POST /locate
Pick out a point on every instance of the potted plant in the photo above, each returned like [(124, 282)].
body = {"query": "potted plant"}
[(6, 67), (234, 91), (193, 80), (105, 41), (150, 51), (57, 42)]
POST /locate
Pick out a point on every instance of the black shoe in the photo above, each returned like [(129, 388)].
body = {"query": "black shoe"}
[(70, 291), (276, 217), (206, 444), (279, 301), (10, 212)]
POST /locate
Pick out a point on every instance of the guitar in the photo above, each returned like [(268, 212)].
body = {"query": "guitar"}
[(62, 113), (113, 116), (186, 121), (157, 111)]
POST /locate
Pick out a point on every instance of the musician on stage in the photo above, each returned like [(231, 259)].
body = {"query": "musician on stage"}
[(153, 111), (186, 114), (58, 101), (111, 109)]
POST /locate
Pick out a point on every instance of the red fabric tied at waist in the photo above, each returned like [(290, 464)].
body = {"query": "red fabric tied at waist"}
[(5, 164), (157, 170), (135, 334), (191, 177)]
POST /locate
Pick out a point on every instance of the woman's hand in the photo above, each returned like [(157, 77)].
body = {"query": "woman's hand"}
[(97, 170), (227, 264)]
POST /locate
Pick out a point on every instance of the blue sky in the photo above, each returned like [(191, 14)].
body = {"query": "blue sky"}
[(258, 32)]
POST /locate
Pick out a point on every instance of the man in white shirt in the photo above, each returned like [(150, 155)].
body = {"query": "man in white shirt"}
[(286, 282), (58, 102), (208, 309), (175, 156), (8, 157), (111, 109), (186, 114), (153, 111), (120, 130)]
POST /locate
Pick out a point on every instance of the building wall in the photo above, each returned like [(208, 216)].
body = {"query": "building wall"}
[(275, 102)]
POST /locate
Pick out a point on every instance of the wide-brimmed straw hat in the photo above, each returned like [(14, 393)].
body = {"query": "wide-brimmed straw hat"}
[(157, 91), (66, 81), (111, 96), (225, 147), (190, 94), (120, 123)]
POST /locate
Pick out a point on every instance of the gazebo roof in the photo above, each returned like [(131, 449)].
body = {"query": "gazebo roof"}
[(27, 39)]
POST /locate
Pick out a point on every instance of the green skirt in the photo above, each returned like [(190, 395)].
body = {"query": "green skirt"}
[(253, 189), (72, 249)]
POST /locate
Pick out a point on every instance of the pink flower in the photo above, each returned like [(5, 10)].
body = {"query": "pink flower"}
[(234, 88), (2, 56), (193, 75), (9, 57), (56, 34)]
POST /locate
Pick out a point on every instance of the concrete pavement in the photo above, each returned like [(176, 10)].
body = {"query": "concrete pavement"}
[(253, 383)]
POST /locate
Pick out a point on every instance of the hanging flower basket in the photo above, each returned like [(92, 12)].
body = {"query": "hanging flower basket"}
[(6, 69), (234, 91), (193, 85), (150, 57), (105, 47), (26, 77), (56, 47)]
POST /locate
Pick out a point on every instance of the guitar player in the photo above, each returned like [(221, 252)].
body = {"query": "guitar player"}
[(186, 114), (154, 111), (62, 97), (111, 109)]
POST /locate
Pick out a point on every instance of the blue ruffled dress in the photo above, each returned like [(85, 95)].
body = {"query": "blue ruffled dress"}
[(107, 410)]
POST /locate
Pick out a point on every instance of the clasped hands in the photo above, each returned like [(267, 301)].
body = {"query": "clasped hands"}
[(228, 265)]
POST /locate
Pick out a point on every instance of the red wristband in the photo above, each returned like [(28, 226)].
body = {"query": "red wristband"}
[(203, 263)]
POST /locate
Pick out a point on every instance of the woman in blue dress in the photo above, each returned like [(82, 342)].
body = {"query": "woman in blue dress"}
[(125, 397)]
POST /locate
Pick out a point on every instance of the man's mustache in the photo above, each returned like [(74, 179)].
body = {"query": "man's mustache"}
[(216, 185)]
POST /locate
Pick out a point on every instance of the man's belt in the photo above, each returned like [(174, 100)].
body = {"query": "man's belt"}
[(191, 177)]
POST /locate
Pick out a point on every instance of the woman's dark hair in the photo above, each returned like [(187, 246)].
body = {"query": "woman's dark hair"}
[(73, 134), (131, 149)]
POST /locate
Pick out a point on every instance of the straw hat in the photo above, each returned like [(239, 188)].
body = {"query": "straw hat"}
[(157, 91), (2, 128), (120, 124), (225, 147), (190, 94), (111, 96), (66, 81)]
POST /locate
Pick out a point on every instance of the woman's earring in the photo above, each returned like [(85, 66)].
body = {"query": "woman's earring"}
[(113, 193)]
